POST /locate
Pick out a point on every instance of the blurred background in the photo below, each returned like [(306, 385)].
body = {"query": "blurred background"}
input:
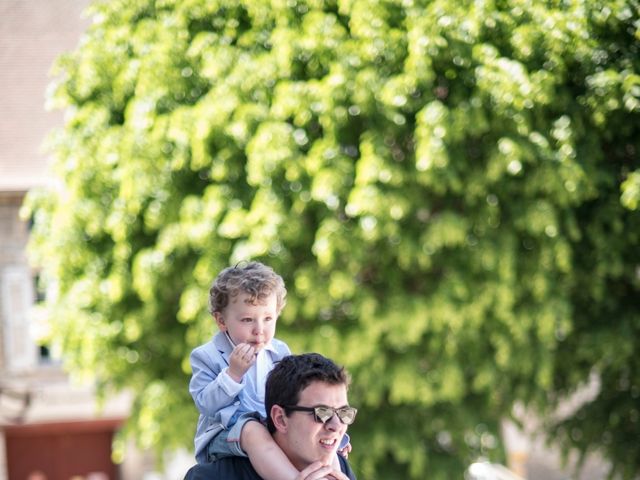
[(450, 192)]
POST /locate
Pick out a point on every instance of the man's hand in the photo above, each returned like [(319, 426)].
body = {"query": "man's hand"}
[(320, 471), (242, 357)]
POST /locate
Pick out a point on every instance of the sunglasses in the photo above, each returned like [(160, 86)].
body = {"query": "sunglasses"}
[(322, 413)]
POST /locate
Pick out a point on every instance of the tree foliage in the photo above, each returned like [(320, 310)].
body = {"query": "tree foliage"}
[(450, 190)]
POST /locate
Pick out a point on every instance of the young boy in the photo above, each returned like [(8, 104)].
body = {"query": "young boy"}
[(229, 372)]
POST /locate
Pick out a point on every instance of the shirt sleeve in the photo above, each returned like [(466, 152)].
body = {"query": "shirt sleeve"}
[(211, 387)]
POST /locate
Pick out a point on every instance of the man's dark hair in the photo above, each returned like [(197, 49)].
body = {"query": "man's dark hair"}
[(293, 374)]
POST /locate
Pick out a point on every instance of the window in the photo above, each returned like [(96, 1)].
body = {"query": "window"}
[(16, 299)]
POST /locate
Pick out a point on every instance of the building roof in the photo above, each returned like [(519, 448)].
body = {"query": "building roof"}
[(33, 33)]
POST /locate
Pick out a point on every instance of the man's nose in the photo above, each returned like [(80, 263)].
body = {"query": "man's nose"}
[(333, 423)]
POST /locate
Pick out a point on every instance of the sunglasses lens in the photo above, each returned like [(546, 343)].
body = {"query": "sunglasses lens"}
[(323, 414), (347, 415)]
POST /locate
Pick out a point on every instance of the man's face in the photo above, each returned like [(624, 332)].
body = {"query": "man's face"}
[(304, 440), (246, 322)]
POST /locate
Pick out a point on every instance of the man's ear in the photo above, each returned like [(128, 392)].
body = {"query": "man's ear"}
[(279, 418), (220, 321)]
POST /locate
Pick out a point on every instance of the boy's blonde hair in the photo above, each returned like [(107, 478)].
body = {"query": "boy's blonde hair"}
[(253, 278)]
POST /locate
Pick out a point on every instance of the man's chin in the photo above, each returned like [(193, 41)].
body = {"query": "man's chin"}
[(327, 457)]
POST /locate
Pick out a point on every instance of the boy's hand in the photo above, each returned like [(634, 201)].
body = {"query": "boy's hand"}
[(346, 450), (242, 357)]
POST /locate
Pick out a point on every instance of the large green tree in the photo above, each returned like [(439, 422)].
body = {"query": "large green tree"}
[(449, 188)]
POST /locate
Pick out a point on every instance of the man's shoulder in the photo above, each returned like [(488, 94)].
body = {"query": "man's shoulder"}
[(228, 468), (239, 468)]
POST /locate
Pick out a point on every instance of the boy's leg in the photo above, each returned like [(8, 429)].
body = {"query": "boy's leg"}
[(264, 453), (219, 447)]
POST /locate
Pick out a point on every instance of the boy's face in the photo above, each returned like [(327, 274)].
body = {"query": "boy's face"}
[(246, 322)]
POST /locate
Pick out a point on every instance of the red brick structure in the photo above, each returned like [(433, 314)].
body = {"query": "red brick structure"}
[(61, 450)]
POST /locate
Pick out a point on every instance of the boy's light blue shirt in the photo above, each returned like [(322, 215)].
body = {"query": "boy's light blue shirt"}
[(217, 396)]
